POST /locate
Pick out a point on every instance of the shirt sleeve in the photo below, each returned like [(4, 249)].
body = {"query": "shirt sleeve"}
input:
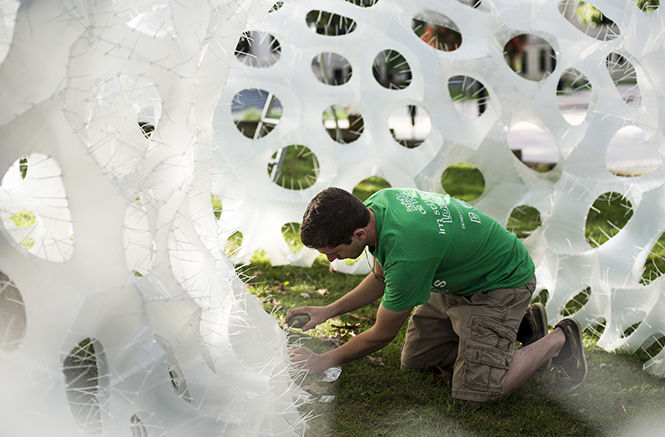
[(408, 284)]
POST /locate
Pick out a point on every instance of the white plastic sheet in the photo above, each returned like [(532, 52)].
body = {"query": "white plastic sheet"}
[(119, 313), (110, 252)]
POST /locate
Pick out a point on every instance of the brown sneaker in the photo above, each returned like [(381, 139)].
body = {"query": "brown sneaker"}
[(534, 324), (570, 367), (442, 374)]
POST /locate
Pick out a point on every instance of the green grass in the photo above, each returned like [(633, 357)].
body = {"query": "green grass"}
[(371, 400), (291, 234), (463, 181), (299, 169), (369, 186), (523, 221), (608, 214)]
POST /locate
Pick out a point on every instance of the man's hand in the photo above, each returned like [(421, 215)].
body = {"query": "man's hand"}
[(316, 315), (306, 359), (384, 330)]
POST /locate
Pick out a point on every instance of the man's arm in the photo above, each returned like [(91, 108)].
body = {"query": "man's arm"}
[(370, 289), (384, 330)]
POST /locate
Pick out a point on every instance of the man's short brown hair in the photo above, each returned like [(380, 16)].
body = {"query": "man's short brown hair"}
[(331, 217)]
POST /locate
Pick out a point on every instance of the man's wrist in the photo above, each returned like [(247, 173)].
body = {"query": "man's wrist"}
[(325, 361), (330, 310)]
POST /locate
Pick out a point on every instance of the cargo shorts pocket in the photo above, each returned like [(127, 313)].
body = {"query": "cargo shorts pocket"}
[(485, 368), (489, 331), (487, 356)]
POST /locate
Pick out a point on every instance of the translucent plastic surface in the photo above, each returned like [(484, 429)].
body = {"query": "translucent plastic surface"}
[(132, 116)]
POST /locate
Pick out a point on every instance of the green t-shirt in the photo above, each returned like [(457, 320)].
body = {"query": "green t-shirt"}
[(434, 242)]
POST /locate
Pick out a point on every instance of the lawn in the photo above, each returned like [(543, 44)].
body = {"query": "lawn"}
[(372, 397)]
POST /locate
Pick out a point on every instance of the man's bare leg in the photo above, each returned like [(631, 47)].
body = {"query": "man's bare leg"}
[(528, 359)]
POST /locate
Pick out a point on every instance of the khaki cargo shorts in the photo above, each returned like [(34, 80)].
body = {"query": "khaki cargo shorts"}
[(475, 333)]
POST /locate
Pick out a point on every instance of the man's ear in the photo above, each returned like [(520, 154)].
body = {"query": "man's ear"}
[(360, 233)]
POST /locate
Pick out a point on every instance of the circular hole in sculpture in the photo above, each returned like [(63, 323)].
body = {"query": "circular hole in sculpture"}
[(123, 113), (654, 265), (651, 347), (609, 213), (391, 70), (343, 124), (368, 186), (216, 206), (294, 167), (533, 145), (83, 368), (576, 303), (363, 3), (437, 30), (146, 128), (175, 374), (647, 5), (329, 24), (631, 152), (23, 166), (138, 240), (629, 330), (463, 181), (410, 125), (255, 112), (596, 328), (291, 234), (542, 296), (233, 244), (623, 74), (178, 383), (469, 96), (35, 212), (258, 49), (137, 427), (523, 220), (588, 19), (13, 320), (573, 96), (331, 68), (530, 56), (472, 3), (147, 120)]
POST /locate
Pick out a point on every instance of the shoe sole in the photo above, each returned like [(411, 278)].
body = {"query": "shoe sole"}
[(537, 314), (539, 309), (542, 315)]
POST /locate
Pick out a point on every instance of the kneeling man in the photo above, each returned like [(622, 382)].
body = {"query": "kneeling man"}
[(469, 280)]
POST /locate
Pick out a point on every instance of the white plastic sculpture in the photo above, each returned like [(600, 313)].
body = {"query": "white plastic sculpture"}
[(119, 315), (579, 140), (110, 252)]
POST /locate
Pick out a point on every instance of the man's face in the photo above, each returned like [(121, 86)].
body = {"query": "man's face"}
[(344, 251)]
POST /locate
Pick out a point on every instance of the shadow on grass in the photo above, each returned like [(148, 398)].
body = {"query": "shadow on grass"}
[(617, 398)]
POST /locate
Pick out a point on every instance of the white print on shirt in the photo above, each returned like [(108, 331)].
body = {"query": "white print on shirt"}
[(474, 217), (441, 222), (439, 285), (432, 206), (445, 214), (410, 203)]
